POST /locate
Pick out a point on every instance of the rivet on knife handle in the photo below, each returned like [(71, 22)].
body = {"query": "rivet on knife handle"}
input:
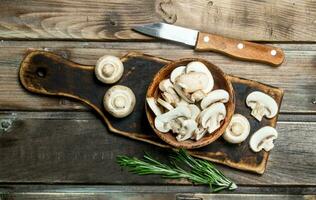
[(240, 49)]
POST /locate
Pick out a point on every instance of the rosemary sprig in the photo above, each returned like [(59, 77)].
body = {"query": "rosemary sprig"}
[(181, 165)]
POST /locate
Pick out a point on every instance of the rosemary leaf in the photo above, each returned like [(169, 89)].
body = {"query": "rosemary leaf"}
[(181, 165)]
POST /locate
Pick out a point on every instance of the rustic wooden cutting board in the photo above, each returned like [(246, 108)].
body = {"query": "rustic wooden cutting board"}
[(49, 74)]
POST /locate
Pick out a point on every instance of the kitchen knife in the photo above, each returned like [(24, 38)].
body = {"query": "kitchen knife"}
[(209, 42)]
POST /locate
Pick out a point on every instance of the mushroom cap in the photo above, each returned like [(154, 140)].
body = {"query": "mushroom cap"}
[(165, 84), (161, 121), (192, 81), (196, 66), (119, 101), (263, 139), (153, 105), (215, 96), (261, 105), (109, 69), (237, 130), (177, 72), (213, 111)]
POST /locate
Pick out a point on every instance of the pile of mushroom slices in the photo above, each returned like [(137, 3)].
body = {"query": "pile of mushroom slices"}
[(119, 100), (187, 105), (239, 127)]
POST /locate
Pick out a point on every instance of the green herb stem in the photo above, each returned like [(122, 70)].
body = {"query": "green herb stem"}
[(195, 170)]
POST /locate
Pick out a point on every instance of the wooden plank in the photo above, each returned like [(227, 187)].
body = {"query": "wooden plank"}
[(77, 150), (62, 188), (297, 75), (150, 196), (268, 20)]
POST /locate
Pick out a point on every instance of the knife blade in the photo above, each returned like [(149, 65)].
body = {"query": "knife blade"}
[(239, 49)]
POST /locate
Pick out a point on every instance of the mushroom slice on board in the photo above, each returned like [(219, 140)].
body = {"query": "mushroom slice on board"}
[(153, 105), (162, 121), (119, 101), (177, 72), (212, 115), (215, 96), (263, 139), (197, 66), (261, 105), (165, 104), (237, 130), (186, 130), (109, 69)]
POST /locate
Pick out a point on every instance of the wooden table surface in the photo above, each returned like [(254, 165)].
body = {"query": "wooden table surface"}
[(54, 148)]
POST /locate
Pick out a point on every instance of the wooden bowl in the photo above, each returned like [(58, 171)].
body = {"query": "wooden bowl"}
[(220, 82)]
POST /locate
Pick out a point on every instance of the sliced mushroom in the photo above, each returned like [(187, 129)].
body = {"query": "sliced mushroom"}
[(192, 81), (153, 105), (119, 101), (237, 130), (177, 72), (261, 105), (215, 96), (263, 139), (165, 104), (168, 92), (197, 96), (186, 130), (183, 95), (197, 66), (214, 123), (199, 133), (109, 69), (181, 102), (162, 121), (165, 84), (176, 124), (195, 111), (212, 116)]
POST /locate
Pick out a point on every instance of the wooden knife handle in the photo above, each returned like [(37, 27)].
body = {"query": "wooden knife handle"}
[(240, 49)]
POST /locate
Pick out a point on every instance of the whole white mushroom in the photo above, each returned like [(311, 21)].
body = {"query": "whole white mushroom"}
[(109, 69), (237, 130), (119, 101)]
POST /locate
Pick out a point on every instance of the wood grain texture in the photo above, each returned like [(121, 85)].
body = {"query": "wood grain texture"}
[(270, 20), (179, 189), (146, 196), (297, 75), (64, 19), (74, 147), (240, 49)]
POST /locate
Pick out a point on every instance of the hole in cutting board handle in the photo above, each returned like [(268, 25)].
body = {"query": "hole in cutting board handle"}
[(41, 72)]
